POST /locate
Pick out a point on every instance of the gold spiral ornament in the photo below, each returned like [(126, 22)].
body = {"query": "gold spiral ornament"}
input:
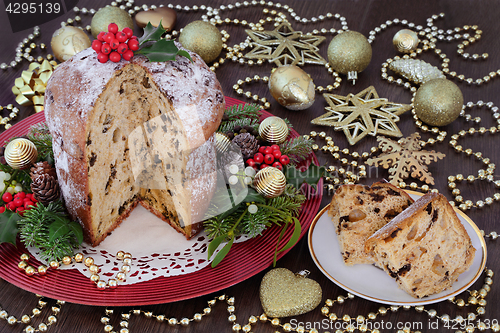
[(270, 182), (405, 41), (20, 153), (273, 130), (222, 142)]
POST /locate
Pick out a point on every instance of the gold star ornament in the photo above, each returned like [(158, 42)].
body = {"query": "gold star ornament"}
[(362, 114), (285, 46), (404, 158)]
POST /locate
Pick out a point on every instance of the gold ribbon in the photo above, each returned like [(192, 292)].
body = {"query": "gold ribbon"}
[(30, 87)]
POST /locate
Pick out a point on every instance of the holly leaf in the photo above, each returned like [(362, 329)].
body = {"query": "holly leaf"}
[(8, 227), (163, 50), (151, 34), (311, 176)]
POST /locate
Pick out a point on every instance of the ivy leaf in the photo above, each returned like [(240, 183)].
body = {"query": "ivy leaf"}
[(162, 50), (151, 34), (311, 176), (222, 253), (8, 227), (77, 230), (57, 229)]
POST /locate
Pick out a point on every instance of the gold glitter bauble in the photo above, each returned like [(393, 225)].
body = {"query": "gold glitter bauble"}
[(285, 294), (167, 16), (405, 41), (269, 182), (273, 130), (68, 41), (20, 153), (349, 52), (107, 15), (292, 87), (438, 102), (202, 38)]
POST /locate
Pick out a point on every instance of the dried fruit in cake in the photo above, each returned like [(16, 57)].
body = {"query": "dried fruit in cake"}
[(357, 211), (425, 248)]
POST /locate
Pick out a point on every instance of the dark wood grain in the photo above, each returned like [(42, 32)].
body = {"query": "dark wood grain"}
[(361, 16)]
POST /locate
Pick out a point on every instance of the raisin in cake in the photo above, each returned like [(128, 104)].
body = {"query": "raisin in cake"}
[(134, 132), (357, 211), (425, 248)]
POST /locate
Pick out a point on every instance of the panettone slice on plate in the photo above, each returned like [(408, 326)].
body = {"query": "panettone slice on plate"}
[(358, 211), (425, 248)]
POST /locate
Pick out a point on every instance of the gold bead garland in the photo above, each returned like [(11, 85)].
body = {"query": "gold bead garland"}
[(13, 111), (28, 319), (121, 276), (360, 322)]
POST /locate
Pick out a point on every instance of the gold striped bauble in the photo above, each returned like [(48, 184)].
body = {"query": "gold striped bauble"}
[(269, 182), (222, 142), (273, 130), (405, 41), (20, 153)]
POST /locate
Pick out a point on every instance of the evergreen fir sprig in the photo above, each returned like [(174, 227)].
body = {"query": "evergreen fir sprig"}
[(240, 115), (297, 149), (49, 229), (39, 134), (281, 211)]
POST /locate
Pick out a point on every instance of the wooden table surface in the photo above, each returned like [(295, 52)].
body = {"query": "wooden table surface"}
[(361, 16)]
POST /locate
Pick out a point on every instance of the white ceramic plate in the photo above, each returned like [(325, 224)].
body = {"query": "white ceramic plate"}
[(372, 283)]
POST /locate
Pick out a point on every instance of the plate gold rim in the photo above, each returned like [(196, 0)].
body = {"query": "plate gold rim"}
[(387, 301)]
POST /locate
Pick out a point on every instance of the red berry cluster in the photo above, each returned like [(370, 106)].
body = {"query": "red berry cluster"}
[(268, 156), (18, 203), (114, 44)]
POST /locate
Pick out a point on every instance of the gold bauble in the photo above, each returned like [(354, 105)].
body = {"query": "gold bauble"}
[(107, 15), (270, 182), (20, 153), (68, 41), (292, 87), (349, 52), (273, 130), (167, 17), (285, 294), (438, 102), (202, 38), (222, 142), (405, 41)]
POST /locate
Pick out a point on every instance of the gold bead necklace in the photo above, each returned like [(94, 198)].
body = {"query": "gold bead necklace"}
[(28, 319), (121, 276)]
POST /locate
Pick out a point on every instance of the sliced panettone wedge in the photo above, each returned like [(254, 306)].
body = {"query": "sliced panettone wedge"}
[(425, 248), (357, 211)]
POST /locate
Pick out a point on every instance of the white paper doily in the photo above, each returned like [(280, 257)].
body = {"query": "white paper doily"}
[(157, 250)]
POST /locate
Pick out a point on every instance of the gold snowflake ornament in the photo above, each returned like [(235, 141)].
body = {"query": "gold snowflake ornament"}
[(285, 46), (362, 114), (404, 158)]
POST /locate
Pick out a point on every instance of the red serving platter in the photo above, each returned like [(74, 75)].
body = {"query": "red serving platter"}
[(243, 261)]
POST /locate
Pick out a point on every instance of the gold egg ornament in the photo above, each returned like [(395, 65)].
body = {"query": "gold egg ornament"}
[(109, 14), (68, 41), (405, 41), (202, 38), (349, 53), (20, 153), (273, 130), (270, 182), (292, 87), (438, 102)]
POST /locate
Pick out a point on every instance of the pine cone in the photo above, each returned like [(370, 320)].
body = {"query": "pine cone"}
[(45, 188), (248, 144), (40, 168)]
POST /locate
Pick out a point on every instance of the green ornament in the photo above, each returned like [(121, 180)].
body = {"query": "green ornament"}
[(107, 15), (202, 38), (438, 102)]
